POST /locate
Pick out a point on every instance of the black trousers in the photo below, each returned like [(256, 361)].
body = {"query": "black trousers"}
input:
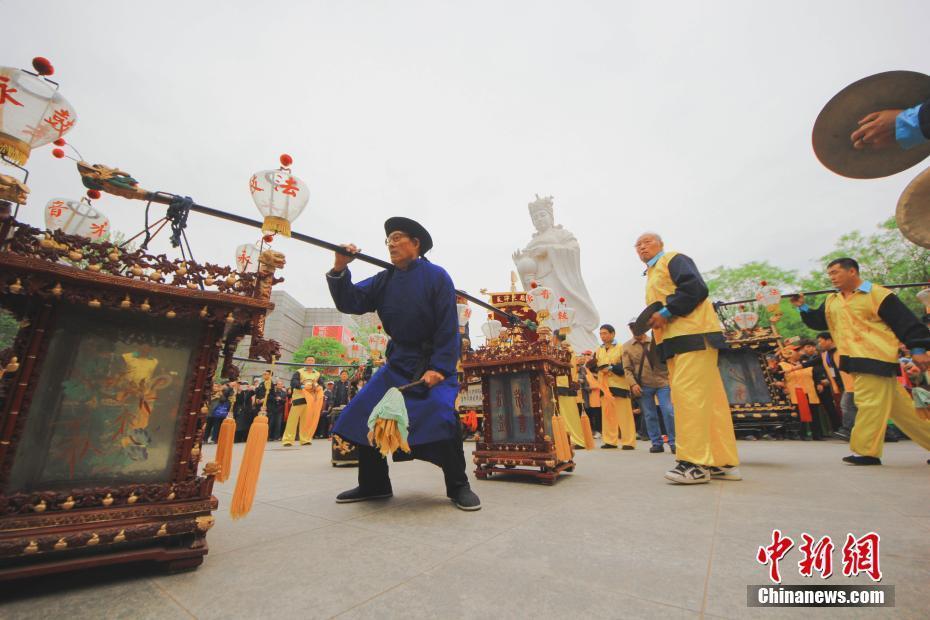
[(595, 414), (449, 455), (275, 425), (212, 429)]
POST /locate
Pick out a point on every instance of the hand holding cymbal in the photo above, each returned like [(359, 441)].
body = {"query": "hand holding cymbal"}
[(876, 131), (854, 134)]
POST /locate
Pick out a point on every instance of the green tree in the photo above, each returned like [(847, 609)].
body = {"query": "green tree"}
[(743, 281), (325, 350), (885, 257)]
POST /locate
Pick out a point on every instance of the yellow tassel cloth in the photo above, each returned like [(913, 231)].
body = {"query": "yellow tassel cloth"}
[(571, 420), (559, 438), (247, 481), (385, 436), (224, 446), (14, 149), (588, 433)]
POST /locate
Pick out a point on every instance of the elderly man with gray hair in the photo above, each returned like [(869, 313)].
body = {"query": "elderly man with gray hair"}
[(688, 335)]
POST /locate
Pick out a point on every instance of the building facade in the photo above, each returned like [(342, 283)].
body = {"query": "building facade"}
[(290, 323)]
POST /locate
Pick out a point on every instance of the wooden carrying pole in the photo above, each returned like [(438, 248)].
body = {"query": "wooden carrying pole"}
[(166, 198)]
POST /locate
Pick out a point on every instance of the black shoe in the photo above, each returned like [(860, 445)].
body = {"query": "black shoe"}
[(656, 449), (855, 459), (465, 499), (629, 447), (358, 495), (842, 435), (608, 446), (672, 448), (891, 437)]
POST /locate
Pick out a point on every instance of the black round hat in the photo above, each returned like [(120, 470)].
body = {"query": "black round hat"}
[(412, 228)]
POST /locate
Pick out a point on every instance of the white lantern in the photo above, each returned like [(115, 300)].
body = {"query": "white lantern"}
[(280, 197), (768, 296), (563, 317), (356, 351), (540, 299), (746, 320), (32, 111), (247, 257), (464, 315), (492, 329), (75, 217), (377, 343)]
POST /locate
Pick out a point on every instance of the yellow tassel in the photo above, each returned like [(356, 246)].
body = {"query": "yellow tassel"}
[(224, 446), (385, 436), (558, 438), (14, 149), (588, 433), (251, 467), (566, 440)]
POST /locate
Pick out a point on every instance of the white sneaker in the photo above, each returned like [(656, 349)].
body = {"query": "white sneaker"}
[(687, 473), (727, 472)]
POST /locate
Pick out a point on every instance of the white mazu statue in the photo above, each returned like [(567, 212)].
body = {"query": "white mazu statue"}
[(553, 258)]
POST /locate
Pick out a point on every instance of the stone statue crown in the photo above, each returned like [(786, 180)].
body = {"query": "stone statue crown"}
[(541, 204)]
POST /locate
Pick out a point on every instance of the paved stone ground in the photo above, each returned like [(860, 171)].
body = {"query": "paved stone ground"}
[(611, 540)]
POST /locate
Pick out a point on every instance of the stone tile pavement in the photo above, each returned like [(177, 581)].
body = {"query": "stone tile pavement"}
[(612, 540)]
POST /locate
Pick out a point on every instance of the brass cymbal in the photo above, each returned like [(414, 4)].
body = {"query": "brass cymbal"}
[(913, 212), (840, 117)]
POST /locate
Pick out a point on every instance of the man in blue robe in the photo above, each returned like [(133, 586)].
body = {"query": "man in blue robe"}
[(415, 301)]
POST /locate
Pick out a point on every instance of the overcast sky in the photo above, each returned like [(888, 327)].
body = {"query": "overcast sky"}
[(692, 119)]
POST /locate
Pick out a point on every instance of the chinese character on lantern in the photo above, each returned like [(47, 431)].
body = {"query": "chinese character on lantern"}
[(817, 556), (772, 554), (99, 230), (860, 555), (6, 93), (289, 187), (253, 185), (55, 207), (60, 121)]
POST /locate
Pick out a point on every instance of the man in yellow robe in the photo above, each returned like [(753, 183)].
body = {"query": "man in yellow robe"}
[(616, 409), (568, 399), (688, 334), (868, 323), (306, 405)]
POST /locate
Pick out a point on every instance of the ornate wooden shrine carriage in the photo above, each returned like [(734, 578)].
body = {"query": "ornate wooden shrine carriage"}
[(755, 401), (103, 398), (518, 372)]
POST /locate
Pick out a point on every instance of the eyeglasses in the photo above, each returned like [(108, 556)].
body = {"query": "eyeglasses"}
[(395, 238)]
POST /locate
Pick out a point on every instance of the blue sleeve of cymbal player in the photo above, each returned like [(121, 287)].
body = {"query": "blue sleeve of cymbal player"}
[(912, 127)]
